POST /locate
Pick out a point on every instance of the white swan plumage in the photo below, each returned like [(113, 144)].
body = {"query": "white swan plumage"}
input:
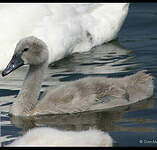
[(47, 136), (66, 28)]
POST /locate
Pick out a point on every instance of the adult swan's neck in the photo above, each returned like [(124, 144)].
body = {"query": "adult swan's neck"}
[(27, 97)]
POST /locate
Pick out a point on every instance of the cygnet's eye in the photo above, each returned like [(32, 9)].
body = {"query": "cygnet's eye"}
[(25, 50)]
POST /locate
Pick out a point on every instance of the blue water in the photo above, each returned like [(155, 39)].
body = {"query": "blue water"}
[(135, 49), (139, 34)]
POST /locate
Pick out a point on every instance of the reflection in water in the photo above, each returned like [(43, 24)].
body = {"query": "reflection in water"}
[(110, 58), (103, 120), (107, 58)]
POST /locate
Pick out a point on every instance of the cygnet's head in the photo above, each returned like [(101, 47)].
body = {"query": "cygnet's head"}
[(28, 51)]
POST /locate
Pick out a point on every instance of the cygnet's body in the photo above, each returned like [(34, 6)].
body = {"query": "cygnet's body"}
[(46, 136), (92, 93)]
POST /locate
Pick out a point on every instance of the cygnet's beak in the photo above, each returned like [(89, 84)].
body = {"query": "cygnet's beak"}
[(15, 63)]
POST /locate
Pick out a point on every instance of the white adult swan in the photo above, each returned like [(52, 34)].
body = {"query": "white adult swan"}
[(66, 28), (46, 136), (92, 93)]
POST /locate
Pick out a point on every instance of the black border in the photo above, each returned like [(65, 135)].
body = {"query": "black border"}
[(74, 1)]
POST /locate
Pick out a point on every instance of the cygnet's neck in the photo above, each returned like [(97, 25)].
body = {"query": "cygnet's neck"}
[(28, 95)]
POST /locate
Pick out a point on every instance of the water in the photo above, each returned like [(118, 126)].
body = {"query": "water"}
[(135, 49)]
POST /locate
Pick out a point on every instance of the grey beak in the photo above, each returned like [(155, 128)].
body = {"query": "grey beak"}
[(15, 63)]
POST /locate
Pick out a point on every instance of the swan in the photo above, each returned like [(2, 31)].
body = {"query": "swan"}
[(91, 93), (66, 28), (47, 136)]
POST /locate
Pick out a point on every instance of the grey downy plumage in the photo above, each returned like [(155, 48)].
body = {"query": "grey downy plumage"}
[(91, 93)]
